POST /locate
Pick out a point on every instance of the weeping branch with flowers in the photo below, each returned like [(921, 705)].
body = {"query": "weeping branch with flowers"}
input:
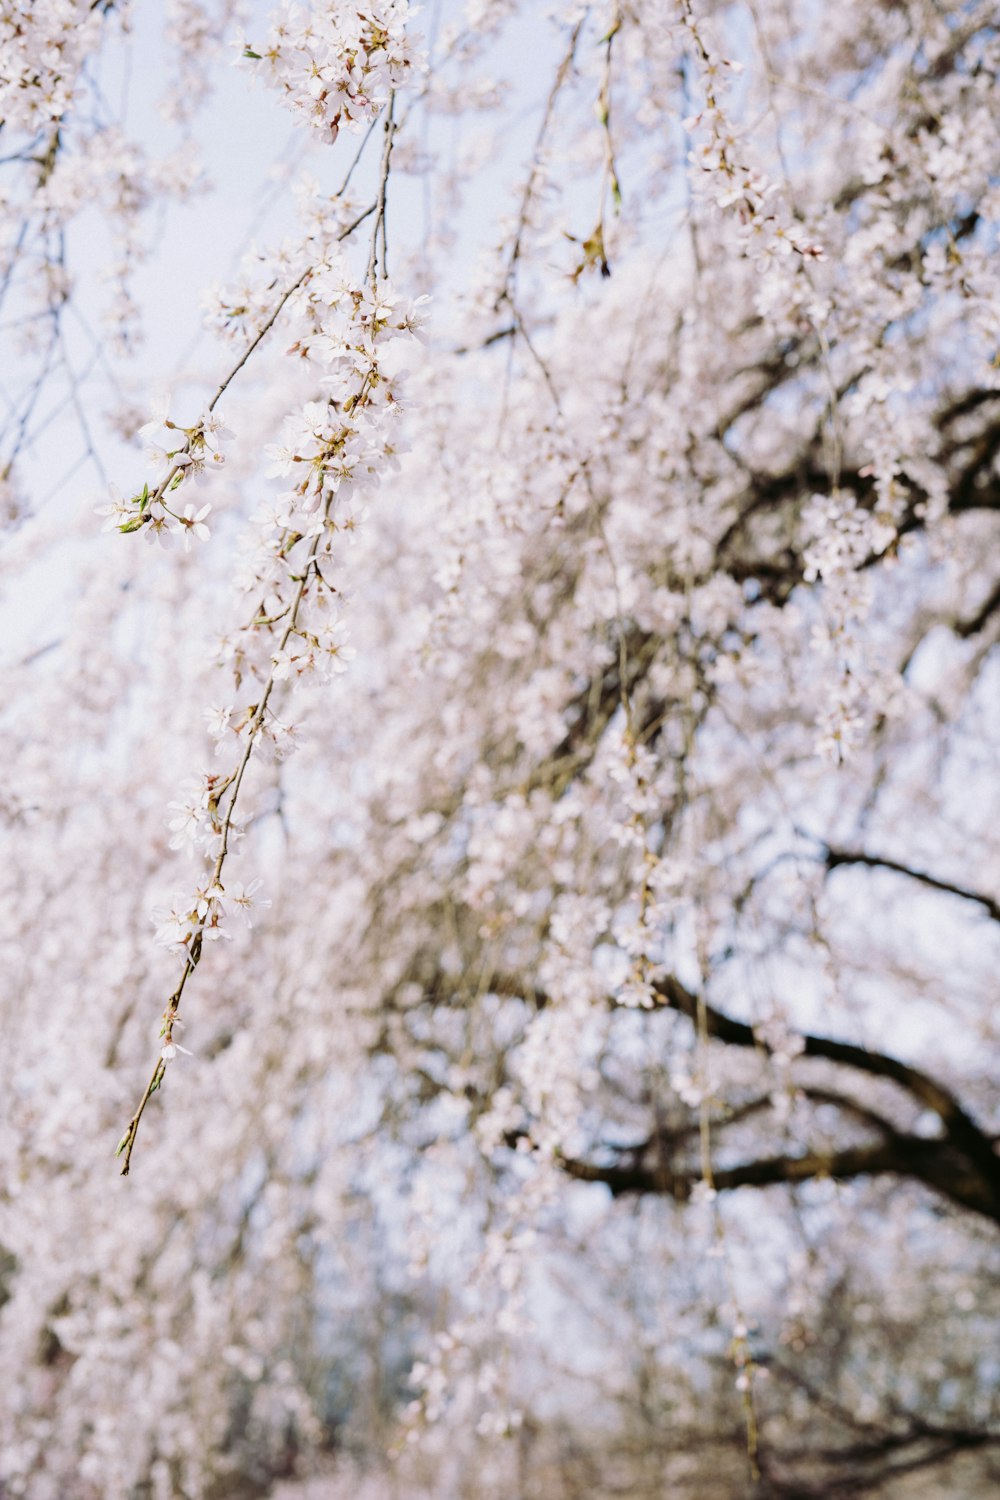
[(347, 441)]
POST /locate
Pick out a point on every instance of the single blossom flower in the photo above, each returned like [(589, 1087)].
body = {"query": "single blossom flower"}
[(170, 1051), (244, 898), (192, 523), (118, 512)]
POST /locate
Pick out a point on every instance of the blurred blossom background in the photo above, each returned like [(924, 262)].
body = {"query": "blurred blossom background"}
[(499, 602)]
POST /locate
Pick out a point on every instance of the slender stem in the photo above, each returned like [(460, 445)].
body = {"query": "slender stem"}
[(235, 779), (562, 73), (383, 182), (273, 318), (178, 468), (193, 957)]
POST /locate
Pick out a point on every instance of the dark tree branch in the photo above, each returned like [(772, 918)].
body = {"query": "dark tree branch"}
[(973, 624), (835, 857), (962, 1165), (885, 1462), (978, 1189), (931, 1162), (669, 1140)]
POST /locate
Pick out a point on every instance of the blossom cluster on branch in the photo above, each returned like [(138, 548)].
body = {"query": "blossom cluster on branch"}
[(579, 1047), (337, 65)]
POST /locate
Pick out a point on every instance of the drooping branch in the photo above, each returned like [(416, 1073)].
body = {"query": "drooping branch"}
[(835, 857), (932, 1162), (961, 1133), (961, 1165), (969, 625), (972, 486), (875, 1459)]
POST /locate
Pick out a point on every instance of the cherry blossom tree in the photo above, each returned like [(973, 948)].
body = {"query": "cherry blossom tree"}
[(498, 817)]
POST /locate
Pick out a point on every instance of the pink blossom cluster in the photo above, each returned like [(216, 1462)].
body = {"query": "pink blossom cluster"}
[(43, 47), (337, 65)]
